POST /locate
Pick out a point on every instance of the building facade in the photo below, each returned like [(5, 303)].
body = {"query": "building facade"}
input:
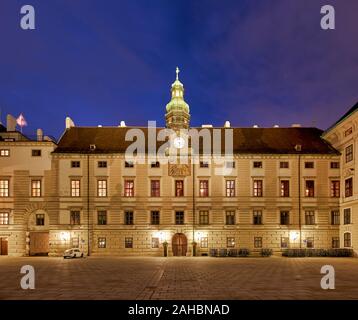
[(282, 190)]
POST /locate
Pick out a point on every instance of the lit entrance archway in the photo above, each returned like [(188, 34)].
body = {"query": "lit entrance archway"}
[(179, 244)]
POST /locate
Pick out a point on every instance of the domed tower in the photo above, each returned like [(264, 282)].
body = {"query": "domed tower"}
[(177, 116)]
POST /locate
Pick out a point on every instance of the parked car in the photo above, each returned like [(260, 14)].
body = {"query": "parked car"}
[(73, 253)]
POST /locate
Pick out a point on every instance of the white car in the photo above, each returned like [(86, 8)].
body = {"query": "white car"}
[(73, 253)]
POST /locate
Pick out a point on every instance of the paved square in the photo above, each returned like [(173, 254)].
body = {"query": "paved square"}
[(178, 278)]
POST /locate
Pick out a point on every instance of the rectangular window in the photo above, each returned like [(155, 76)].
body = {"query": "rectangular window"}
[(102, 217), (155, 164), (101, 243), (75, 188), (349, 153), (284, 164), (154, 217), (347, 240), (285, 188), (230, 188), (4, 153), (75, 217), (335, 217), (334, 165), (36, 153), (179, 217), (204, 164), (258, 188), (309, 165), (284, 218), (284, 242), (75, 164), (129, 188), (347, 216), (258, 164), (335, 242), (203, 217), (258, 242), (309, 190), (129, 164), (155, 188), (155, 242), (4, 218), (36, 188), (310, 242), (230, 164), (128, 242), (102, 164), (40, 219), (309, 217), (204, 188), (4, 188), (230, 242), (230, 217), (102, 188), (335, 188), (128, 217), (179, 188), (348, 187), (203, 242), (257, 217)]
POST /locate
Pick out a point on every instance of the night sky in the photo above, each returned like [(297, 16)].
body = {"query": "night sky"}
[(251, 62)]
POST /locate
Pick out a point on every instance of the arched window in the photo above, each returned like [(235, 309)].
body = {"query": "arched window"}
[(347, 239)]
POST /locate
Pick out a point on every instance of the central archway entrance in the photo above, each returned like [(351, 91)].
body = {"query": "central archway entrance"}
[(179, 244)]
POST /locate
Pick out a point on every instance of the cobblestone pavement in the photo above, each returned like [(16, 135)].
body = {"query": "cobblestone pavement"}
[(178, 278)]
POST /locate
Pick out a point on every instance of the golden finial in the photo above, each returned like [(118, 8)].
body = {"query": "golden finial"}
[(177, 72)]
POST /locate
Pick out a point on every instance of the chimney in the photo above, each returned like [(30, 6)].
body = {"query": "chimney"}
[(227, 124), (69, 123), (10, 123), (40, 134)]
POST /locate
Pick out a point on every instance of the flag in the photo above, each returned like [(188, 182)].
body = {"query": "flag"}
[(21, 121)]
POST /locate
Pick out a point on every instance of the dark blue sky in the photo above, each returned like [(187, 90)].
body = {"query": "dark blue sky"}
[(251, 62)]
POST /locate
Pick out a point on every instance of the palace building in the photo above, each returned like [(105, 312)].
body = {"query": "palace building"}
[(286, 188)]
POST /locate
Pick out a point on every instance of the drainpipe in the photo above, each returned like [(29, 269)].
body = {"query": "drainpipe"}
[(299, 199), (88, 209)]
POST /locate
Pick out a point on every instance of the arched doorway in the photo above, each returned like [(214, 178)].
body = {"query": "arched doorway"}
[(179, 244)]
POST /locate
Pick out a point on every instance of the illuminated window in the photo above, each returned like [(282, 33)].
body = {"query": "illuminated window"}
[(204, 188), (179, 188), (154, 217), (75, 188), (4, 153), (203, 217), (40, 219), (203, 242), (230, 217), (230, 188), (4, 218), (155, 242), (285, 242), (101, 243), (335, 217), (230, 242), (155, 188), (285, 188), (128, 217), (349, 187), (75, 217), (258, 242), (129, 188), (335, 188), (102, 217), (349, 153), (309, 217), (4, 188), (36, 188), (102, 188), (309, 190), (258, 188)]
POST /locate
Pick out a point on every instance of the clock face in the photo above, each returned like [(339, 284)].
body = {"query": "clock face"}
[(179, 142)]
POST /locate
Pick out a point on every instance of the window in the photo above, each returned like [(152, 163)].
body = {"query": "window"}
[(155, 164), (284, 242), (102, 188), (230, 188), (4, 188), (284, 164), (4, 218), (75, 217), (129, 164), (36, 188), (309, 217), (128, 242), (258, 164), (309, 165), (335, 242), (75, 188), (101, 243), (4, 153), (347, 216), (257, 188), (230, 164), (102, 164), (129, 188), (128, 217), (75, 242), (309, 190), (102, 217), (203, 188), (310, 242), (155, 188), (179, 188), (284, 217), (334, 165), (257, 217), (230, 217), (349, 153), (258, 242), (203, 242), (347, 240), (285, 188), (349, 187), (154, 217), (155, 242), (40, 219), (36, 153), (335, 217), (204, 164), (203, 217), (230, 242), (335, 186), (179, 217), (348, 132), (75, 164)]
